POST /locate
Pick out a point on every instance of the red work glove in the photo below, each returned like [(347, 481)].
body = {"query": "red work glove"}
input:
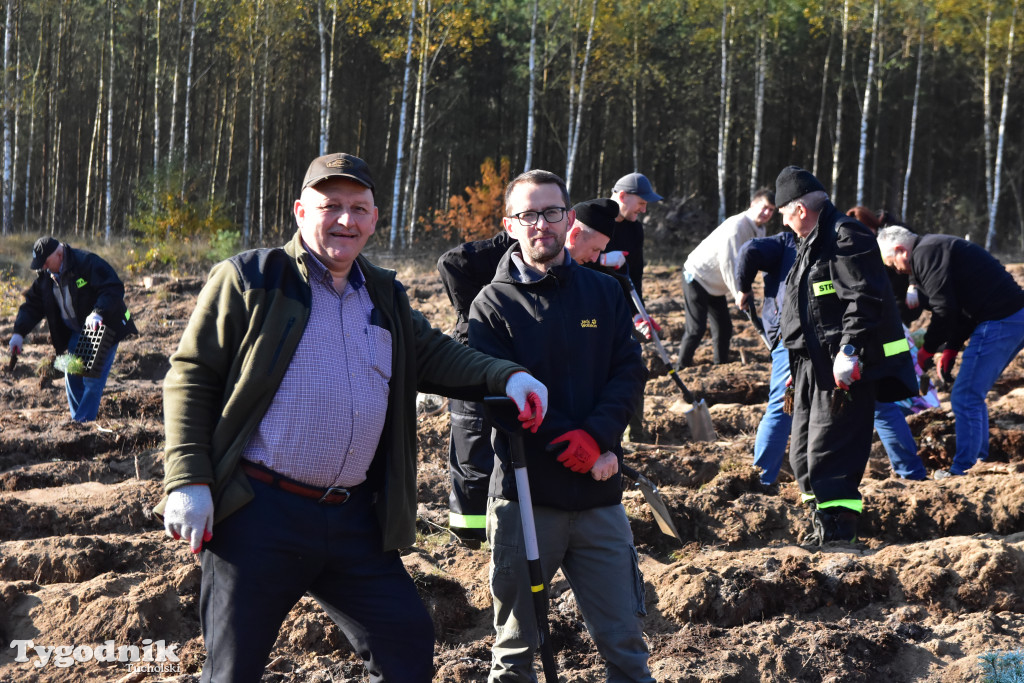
[(581, 453), (845, 370), (946, 361), (613, 259), (924, 359), (643, 328), (530, 396)]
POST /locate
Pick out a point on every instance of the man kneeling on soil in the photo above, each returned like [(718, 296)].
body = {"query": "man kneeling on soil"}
[(291, 436)]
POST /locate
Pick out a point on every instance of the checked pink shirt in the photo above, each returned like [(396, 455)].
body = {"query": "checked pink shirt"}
[(325, 421)]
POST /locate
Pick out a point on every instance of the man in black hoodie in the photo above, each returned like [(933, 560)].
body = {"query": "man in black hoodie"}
[(572, 328), (74, 290)]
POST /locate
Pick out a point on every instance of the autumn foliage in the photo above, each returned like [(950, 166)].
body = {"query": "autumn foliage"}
[(477, 215)]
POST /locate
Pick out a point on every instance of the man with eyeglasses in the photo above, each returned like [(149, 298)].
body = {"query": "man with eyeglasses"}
[(464, 271), (77, 293), (571, 327), (290, 457)]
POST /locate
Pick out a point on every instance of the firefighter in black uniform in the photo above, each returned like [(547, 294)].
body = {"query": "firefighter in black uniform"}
[(846, 349)]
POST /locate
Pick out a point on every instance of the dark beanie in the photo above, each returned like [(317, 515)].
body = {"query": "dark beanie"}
[(598, 214), (793, 183)]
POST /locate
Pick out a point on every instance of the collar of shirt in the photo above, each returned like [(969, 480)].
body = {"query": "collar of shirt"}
[(319, 271), (527, 273)]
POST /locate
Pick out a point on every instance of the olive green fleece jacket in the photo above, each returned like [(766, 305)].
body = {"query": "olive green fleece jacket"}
[(234, 353)]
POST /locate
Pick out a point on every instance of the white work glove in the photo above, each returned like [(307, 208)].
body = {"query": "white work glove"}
[(613, 259), (845, 370), (189, 515), (16, 343), (530, 396), (94, 321), (912, 301)]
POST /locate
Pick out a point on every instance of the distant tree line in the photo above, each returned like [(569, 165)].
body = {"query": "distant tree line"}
[(190, 116)]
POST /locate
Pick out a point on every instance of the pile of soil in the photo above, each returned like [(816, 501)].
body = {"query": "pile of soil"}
[(936, 580)]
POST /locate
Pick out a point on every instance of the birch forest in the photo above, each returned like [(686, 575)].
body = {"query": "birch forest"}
[(166, 119)]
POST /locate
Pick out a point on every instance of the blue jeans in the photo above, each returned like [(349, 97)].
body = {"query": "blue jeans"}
[(898, 441), (773, 430), (993, 344), (84, 393)]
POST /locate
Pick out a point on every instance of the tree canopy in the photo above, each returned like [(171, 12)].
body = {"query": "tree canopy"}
[(651, 103)]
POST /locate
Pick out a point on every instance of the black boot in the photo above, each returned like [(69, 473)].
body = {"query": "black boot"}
[(839, 524)]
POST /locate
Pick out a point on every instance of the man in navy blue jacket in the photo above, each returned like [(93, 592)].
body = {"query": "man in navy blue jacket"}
[(74, 290), (571, 327), (970, 295)]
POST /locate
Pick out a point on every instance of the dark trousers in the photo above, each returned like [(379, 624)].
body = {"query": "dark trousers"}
[(829, 450), (470, 461), (265, 557), (702, 308)]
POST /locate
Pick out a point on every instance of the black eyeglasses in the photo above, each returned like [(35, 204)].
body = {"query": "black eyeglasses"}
[(552, 215)]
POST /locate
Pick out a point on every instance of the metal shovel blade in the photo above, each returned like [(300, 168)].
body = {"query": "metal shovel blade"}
[(654, 499), (698, 418)]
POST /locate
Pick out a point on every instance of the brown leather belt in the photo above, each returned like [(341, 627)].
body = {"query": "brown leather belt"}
[(335, 495)]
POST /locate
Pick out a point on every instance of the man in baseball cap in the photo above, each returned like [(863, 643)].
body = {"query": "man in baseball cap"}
[(289, 402), (338, 166), (77, 293), (41, 251), (632, 192)]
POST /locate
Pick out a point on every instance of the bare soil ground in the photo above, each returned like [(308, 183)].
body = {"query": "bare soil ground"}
[(937, 580)]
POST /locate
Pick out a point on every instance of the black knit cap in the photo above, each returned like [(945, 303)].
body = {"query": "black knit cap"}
[(598, 214), (793, 183), (41, 251), (338, 166)]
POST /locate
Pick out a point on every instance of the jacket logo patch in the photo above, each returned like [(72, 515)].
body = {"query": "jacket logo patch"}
[(592, 323), (823, 288), (80, 282)]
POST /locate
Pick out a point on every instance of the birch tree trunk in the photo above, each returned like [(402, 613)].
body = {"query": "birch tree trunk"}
[(419, 119), (821, 105), (839, 100), (108, 209), (251, 138), (8, 24), (722, 115), (575, 141), (411, 175), (396, 232), (531, 100), (986, 102), (635, 101), (866, 107), (156, 110), (171, 150), (187, 129), (913, 126), (324, 96), (32, 130), (263, 127), (997, 174), (762, 70)]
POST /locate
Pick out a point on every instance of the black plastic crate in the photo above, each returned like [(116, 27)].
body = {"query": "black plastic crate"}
[(93, 347)]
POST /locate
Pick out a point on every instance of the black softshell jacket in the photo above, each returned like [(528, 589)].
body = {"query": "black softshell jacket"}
[(573, 331), (838, 293)]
